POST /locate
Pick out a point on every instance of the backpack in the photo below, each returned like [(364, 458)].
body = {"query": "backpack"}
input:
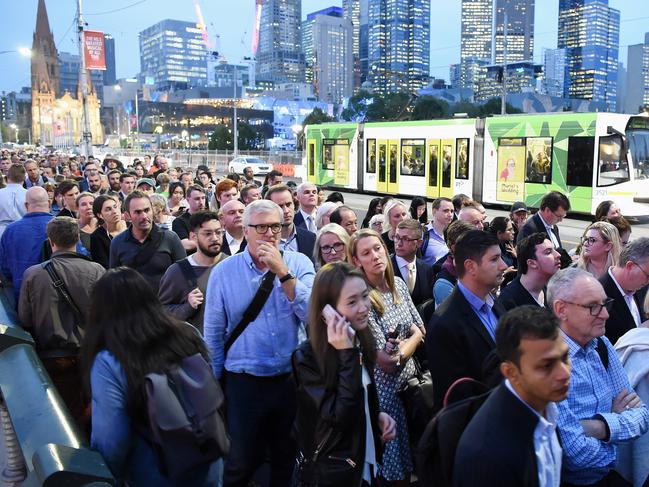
[(185, 429)]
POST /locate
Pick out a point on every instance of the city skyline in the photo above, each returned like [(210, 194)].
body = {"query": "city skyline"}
[(235, 26)]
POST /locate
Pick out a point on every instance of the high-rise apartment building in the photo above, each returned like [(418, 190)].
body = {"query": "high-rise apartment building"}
[(110, 74), (327, 41), (554, 72), (398, 45), (589, 30), (520, 31), (637, 77), (476, 29), (279, 55), (69, 76), (173, 55)]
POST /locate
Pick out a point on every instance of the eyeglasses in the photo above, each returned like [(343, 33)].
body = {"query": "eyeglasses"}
[(595, 309), (560, 217), (212, 233), (590, 240), (397, 238), (262, 228), (335, 248), (646, 275)]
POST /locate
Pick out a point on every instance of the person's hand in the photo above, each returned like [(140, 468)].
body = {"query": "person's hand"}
[(392, 346), (625, 400), (388, 427), (386, 361), (511, 248), (338, 334), (269, 256), (195, 298)]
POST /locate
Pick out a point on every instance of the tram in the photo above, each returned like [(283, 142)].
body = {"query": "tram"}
[(590, 157)]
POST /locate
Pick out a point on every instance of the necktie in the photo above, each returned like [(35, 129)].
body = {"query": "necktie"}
[(411, 277), (635, 312), (553, 238), (310, 225)]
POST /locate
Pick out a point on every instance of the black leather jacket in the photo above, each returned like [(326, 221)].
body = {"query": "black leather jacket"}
[(334, 419)]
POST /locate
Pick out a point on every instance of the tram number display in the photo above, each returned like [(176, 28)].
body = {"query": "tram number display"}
[(511, 164), (335, 156)]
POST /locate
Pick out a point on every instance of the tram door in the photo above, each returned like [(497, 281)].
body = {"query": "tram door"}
[(432, 170), (382, 167), (446, 168), (310, 161), (393, 166)]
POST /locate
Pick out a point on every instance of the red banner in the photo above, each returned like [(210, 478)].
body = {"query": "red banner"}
[(94, 49)]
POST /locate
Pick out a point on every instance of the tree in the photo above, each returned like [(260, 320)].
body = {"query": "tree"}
[(248, 137), (395, 107), (317, 116), (467, 107), (494, 107), (358, 105), (221, 139), (429, 108)]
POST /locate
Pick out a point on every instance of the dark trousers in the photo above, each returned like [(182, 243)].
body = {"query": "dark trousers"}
[(613, 479), (259, 415)]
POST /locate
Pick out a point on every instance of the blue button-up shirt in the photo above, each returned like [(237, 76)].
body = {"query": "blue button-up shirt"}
[(592, 390), (436, 248), (481, 308), (265, 347)]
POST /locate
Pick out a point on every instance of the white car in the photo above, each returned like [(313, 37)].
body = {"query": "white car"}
[(259, 166)]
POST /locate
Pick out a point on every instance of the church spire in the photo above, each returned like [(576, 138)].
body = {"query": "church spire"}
[(45, 62)]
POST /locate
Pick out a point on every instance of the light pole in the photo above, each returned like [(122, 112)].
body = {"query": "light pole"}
[(297, 130), (15, 127)]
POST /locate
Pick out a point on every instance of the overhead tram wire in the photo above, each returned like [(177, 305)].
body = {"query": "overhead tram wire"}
[(118, 9)]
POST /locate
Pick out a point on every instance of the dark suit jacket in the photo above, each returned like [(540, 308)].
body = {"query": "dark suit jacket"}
[(514, 294), (225, 248), (620, 320), (535, 225), (305, 242), (423, 290), (298, 220), (497, 447), (458, 344)]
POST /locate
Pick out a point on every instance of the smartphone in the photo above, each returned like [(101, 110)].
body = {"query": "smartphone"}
[(330, 314), (393, 334)]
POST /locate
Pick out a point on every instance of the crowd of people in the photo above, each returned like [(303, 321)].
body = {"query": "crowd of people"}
[(314, 325)]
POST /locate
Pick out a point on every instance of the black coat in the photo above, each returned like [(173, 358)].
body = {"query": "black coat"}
[(458, 345), (389, 244), (298, 220), (497, 447), (334, 417), (535, 225), (423, 290), (514, 294), (305, 242), (620, 320)]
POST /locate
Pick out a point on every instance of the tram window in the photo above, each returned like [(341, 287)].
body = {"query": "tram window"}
[(311, 158), (335, 151), (328, 154), (393, 163), (413, 153), (382, 162), (613, 168), (447, 162), (462, 159), (639, 147), (580, 161), (433, 157), (371, 156), (538, 160)]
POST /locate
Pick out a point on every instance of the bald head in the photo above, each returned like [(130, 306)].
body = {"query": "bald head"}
[(36, 200)]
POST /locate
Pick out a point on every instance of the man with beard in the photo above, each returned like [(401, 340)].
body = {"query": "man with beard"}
[(178, 291), (113, 180), (461, 334)]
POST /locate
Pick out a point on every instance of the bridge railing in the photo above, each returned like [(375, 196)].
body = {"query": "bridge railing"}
[(43, 444)]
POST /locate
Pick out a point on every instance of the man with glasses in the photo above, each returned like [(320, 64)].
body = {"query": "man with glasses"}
[(307, 196), (179, 292), (293, 238), (602, 409), (259, 390), (416, 273), (622, 284), (553, 209)]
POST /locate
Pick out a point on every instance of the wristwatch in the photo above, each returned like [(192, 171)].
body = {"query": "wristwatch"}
[(287, 277)]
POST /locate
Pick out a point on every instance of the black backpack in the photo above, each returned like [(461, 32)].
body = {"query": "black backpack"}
[(186, 429)]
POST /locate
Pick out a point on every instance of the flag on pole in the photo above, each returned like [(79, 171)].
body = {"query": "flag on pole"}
[(94, 50)]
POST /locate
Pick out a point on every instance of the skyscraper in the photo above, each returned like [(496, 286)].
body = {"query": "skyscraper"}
[(589, 30), (554, 72), (279, 56), (520, 30), (328, 50), (476, 29), (357, 12), (398, 45), (173, 54), (637, 77), (110, 75)]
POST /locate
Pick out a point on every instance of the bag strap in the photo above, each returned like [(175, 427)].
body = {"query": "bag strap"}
[(188, 272), (64, 293), (602, 351), (261, 296)]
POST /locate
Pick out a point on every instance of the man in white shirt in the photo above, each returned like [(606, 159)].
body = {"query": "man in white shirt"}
[(434, 246), (231, 215), (307, 195), (12, 198), (416, 273), (621, 284), (512, 439)]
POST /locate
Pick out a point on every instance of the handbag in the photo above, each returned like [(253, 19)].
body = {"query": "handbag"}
[(417, 397)]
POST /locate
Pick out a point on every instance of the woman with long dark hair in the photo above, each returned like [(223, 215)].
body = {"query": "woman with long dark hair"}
[(419, 210), (129, 335), (338, 411), (374, 208), (106, 209)]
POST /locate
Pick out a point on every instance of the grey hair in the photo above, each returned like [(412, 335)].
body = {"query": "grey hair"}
[(562, 284), (301, 187), (636, 250), (158, 200), (326, 207), (261, 206)]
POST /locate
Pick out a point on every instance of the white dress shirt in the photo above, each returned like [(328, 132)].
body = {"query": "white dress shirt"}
[(233, 243), (548, 228), (403, 269), (628, 299), (12, 204)]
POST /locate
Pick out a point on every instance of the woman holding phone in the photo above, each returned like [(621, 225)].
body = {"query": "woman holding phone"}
[(339, 426), (397, 329)]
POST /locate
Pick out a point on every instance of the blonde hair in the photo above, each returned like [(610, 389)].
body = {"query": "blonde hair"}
[(609, 234), (375, 295), (386, 213), (339, 232)]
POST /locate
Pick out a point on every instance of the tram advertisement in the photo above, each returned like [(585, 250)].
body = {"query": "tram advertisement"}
[(336, 157), (511, 170)]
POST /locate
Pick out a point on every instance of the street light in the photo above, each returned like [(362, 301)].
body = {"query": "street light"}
[(15, 127), (23, 51)]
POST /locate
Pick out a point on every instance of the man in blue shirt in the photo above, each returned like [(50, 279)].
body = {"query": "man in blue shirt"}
[(602, 408), (260, 394), (434, 246)]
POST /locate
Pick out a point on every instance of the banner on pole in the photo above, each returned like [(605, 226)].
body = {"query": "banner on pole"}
[(94, 49)]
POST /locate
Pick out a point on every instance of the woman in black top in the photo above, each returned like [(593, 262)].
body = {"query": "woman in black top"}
[(110, 224), (338, 424)]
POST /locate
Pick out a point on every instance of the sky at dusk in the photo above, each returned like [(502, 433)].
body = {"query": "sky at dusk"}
[(233, 20)]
